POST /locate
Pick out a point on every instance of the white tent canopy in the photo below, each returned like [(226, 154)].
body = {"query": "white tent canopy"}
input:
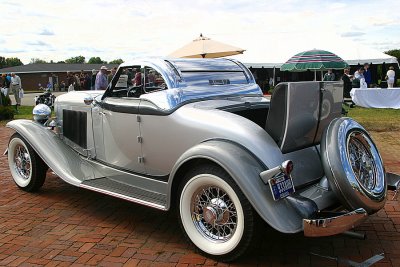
[(273, 50)]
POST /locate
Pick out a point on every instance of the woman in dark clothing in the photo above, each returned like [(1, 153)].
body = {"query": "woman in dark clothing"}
[(346, 78), (347, 85)]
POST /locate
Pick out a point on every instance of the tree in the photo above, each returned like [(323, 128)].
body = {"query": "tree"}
[(13, 61), (394, 53), (116, 61), (77, 60), (96, 60), (3, 62), (37, 61)]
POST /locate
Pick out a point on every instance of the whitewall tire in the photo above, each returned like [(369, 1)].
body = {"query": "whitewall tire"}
[(215, 215), (27, 169)]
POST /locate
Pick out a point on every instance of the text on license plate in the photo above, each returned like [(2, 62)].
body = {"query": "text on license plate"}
[(281, 186)]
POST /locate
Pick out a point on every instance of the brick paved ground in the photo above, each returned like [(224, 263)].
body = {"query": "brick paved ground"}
[(63, 225)]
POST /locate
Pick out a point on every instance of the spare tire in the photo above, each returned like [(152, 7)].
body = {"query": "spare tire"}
[(353, 166)]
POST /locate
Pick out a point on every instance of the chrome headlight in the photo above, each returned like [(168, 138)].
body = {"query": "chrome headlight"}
[(41, 113)]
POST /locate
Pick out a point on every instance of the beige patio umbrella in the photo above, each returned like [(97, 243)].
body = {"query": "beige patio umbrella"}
[(204, 47)]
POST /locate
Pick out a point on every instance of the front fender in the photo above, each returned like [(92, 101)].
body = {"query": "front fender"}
[(245, 170), (62, 159)]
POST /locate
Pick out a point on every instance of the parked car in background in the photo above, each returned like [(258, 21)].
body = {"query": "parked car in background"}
[(200, 136)]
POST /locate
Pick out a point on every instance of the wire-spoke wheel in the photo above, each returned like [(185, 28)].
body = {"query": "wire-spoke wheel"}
[(27, 168), (215, 215), (362, 162), (353, 166)]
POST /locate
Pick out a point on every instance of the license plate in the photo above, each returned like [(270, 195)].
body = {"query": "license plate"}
[(281, 186)]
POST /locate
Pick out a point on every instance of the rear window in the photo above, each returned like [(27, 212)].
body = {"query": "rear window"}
[(207, 78)]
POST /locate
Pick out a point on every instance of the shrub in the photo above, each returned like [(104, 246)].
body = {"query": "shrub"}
[(6, 113), (5, 100)]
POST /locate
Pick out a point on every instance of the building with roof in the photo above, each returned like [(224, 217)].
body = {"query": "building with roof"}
[(34, 74)]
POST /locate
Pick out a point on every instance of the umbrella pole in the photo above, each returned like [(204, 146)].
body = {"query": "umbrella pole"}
[(322, 75), (315, 75)]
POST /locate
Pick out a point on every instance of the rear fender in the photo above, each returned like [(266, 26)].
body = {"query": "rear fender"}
[(61, 158), (245, 169)]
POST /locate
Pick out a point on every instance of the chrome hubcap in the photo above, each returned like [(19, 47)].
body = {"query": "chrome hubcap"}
[(214, 213), (362, 162), (22, 162)]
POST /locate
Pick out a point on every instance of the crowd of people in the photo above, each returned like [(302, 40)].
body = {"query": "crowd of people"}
[(12, 83), (99, 80), (362, 79)]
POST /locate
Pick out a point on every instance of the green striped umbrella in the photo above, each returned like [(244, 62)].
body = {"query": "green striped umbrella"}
[(314, 60)]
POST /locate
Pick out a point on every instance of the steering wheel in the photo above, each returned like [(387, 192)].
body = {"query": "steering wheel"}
[(131, 91)]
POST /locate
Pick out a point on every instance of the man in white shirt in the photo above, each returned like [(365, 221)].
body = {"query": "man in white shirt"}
[(15, 87), (390, 77)]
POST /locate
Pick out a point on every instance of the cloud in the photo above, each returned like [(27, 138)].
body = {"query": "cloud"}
[(84, 49), (385, 46), (160, 27), (12, 50), (46, 32), (37, 43), (383, 22), (352, 34)]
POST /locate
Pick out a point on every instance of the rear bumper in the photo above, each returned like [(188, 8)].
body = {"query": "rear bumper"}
[(333, 225)]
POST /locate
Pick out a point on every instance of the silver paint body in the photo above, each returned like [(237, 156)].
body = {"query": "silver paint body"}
[(148, 153)]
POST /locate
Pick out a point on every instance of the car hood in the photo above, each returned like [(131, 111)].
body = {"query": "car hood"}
[(76, 97)]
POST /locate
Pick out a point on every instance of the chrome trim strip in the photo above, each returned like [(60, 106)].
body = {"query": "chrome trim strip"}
[(286, 117), (131, 199), (5, 152), (334, 225)]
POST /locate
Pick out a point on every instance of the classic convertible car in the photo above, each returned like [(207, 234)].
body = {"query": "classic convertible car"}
[(198, 135)]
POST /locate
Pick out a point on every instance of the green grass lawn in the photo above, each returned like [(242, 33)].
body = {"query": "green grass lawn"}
[(24, 112), (376, 119), (373, 119)]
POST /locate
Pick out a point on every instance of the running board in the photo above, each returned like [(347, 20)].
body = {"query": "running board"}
[(127, 192)]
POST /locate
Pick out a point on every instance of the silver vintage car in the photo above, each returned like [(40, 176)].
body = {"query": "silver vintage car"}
[(198, 135)]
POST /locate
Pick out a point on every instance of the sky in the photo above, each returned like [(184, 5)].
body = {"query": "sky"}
[(60, 29)]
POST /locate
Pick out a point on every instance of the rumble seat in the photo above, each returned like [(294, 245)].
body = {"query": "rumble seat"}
[(296, 118)]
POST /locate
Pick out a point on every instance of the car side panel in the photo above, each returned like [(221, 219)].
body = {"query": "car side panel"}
[(165, 138)]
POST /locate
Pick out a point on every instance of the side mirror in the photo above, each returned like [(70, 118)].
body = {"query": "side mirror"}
[(88, 100)]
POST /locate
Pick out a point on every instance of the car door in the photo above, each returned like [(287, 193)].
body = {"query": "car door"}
[(120, 126)]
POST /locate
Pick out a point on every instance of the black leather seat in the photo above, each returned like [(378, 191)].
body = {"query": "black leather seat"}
[(293, 116), (276, 118)]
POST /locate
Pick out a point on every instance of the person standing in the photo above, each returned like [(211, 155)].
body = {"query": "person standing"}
[(358, 79), (86, 83), (390, 77), (93, 79), (111, 75), (329, 76), (77, 82), (101, 79), (367, 75), (70, 81), (151, 78), (138, 78), (15, 86), (7, 82), (346, 78), (347, 86)]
